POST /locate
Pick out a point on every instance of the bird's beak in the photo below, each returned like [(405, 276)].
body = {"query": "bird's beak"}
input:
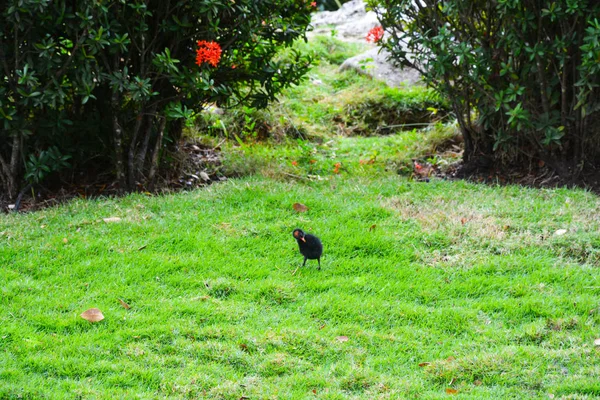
[(302, 238)]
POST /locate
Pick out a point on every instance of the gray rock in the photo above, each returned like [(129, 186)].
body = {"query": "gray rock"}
[(376, 64), (351, 22)]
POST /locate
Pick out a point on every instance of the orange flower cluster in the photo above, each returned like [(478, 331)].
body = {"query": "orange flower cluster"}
[(375, 34), (209, 52)]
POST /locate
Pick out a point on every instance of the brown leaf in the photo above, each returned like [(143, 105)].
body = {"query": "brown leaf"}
[(244, 347), (65, 240), (342, 338), (125, 305), (300, 207), (424, 364), (463, 220), (111, 219), (597, 342), (478, 383), (92, 315), (322, 326), (451, 391), (372, 228), (314, 391), (450, 359)]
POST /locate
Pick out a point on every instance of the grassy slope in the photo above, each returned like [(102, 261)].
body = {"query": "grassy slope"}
[(469, 278)]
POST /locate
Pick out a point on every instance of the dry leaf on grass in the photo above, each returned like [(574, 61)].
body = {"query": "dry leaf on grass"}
[(424, 364), (125, 305), (300, 207), (342, 338), (478, 383), (372, 228), (204, 176), (111, 219), (92, 315), (451, 391)]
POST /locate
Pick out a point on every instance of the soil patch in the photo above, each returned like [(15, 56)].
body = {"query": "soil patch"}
[(195, 165)]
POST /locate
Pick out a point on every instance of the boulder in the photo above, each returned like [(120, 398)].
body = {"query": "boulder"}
[(374, 62), (351, 22)]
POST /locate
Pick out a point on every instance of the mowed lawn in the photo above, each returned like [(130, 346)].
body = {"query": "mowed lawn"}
[(428, 290)]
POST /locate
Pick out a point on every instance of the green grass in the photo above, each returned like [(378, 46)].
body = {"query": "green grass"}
[(499, 305), (440, 285), (329, 103)]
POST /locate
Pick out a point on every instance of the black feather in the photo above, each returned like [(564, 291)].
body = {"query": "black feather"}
[(311, 247)]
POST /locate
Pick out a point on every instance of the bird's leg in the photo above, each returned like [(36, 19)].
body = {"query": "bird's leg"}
[(304, 263), (319, 260)]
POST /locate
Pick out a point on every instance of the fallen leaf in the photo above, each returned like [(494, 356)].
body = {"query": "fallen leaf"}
[(125, 305), (597, 342), (342, 338), (451, 391), (204, 176), (314, 391), (478, 383), (92, 315), (300, 207), (322, 326), (450, 359), (424, 364), (111, 219), (65, 240), (244, 347), (142, 247), (372, 228), (463, 221), (560, 232)]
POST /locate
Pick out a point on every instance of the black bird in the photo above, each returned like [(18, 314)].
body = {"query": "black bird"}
[(310, 246)]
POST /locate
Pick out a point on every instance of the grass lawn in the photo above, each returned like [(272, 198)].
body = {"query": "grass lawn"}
[(428, 290), (472, 280)]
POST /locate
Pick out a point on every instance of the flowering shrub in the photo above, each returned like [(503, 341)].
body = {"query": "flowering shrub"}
[(375, 34), (209, 52), (523, 76), (109, 83)]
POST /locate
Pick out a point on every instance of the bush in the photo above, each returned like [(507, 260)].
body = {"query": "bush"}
[(110, 83), (522, 76)]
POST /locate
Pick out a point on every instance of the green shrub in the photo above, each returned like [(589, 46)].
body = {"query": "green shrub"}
[(113, 81), (522, 76)]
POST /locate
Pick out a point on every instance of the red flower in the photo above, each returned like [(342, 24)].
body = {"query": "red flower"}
[(294, 163), (336, 169), (313, 4), (375, 34), (209, 52)]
